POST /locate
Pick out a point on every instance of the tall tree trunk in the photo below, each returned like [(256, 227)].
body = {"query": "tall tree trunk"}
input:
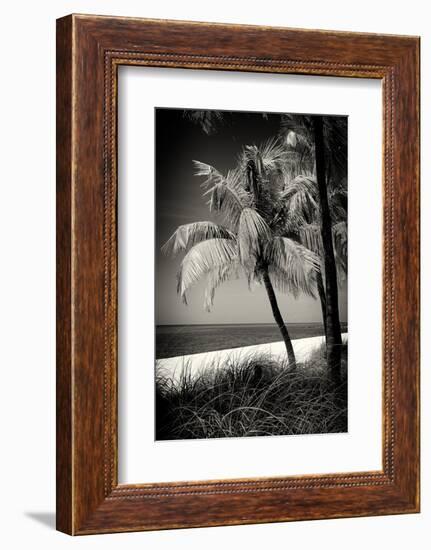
[(322, 296), (279, 319), (333, 330)]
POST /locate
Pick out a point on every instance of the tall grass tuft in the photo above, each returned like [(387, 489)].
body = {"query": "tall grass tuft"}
[(252, 396)]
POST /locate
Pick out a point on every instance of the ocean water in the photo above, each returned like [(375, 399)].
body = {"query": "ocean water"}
[(174, 340)]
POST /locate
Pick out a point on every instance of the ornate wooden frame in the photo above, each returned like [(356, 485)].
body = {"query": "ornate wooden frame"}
[(89, 51)]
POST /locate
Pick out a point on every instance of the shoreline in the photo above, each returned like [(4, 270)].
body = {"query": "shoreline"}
[(180, 340), (197, 362)]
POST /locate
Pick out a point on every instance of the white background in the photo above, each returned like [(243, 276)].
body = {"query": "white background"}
[(141, 458), (27, 313)]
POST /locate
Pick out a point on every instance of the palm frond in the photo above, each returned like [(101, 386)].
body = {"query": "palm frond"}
[(273, 154), (337, 198), (253, 235), (207, 120), (212, 174), (301, 184), (189, 234), (296, 132), (298, 264), (309, 235), (300, 125), (252, 170), (282, 283), (262, 176), (226, 194), (235, 181), (298, 161), (268, 157), (227, 201), (301, 199), (202, 258), (339, 236), (217, 277)]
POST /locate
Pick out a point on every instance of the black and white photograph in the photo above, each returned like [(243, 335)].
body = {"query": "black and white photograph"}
[(251, 261)]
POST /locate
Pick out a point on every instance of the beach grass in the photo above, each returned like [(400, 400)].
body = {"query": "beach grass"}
[(252, 395)]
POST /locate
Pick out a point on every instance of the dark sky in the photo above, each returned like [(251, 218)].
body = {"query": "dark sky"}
[(179, 200)]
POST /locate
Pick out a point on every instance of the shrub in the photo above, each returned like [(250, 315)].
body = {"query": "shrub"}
[(252, 396)]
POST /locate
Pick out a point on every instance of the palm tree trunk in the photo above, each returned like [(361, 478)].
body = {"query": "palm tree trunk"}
[(279, 319), (333, 330), (322, 296)]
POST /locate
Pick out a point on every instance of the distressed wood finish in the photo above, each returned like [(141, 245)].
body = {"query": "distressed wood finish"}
[(89, 50)]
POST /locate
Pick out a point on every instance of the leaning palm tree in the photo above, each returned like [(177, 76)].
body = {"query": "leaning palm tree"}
[(250, 239)]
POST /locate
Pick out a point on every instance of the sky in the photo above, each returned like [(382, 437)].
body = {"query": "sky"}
[(180, 200)]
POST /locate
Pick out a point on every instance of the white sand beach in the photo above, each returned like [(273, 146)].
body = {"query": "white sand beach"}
[(197, 362)]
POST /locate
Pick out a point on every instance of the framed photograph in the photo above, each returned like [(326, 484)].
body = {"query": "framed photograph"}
[(237, 274)]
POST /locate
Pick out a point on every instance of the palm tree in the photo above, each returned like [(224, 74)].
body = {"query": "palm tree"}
[(333, 328), (301, 200), (251, 238), (318, 145)]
